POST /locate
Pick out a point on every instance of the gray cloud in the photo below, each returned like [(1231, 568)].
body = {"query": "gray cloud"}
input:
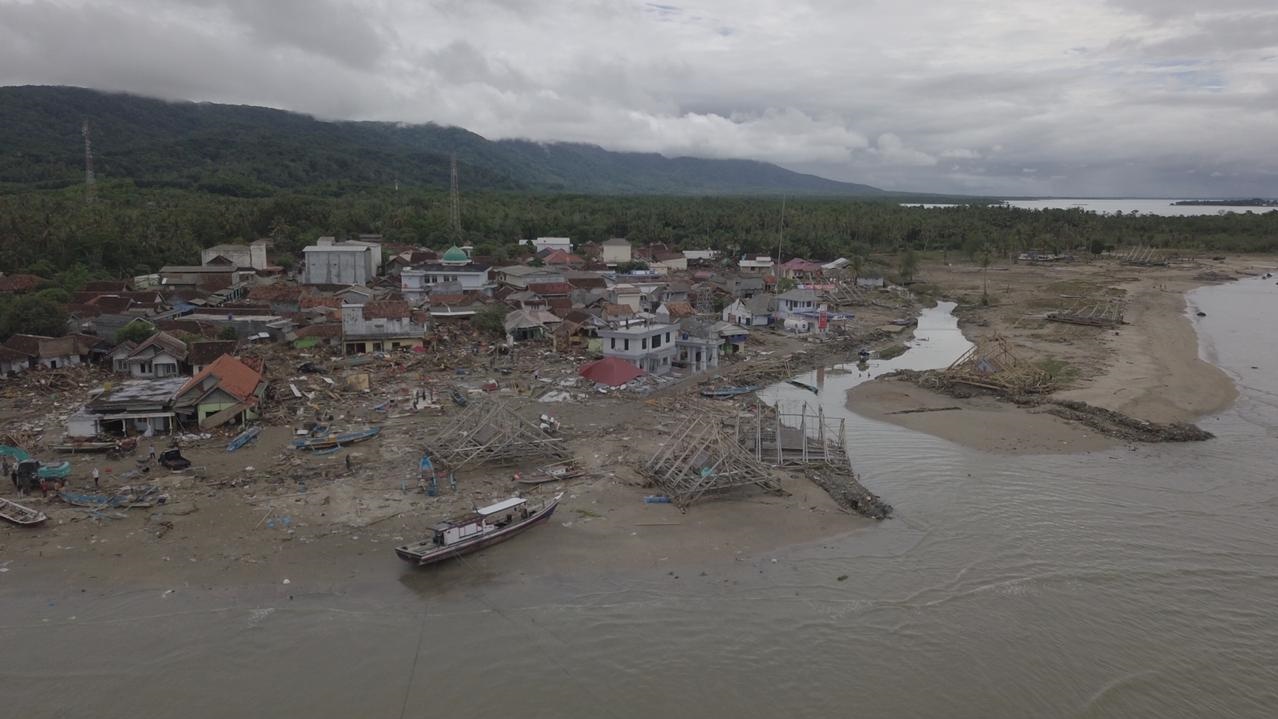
[(1093, 96)]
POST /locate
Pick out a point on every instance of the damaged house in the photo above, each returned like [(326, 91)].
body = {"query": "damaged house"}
[(228, 390), (381, 326)]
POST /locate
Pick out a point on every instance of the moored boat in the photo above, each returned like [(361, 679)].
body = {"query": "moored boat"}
[(727, 392), (484, 527), (15, 513)]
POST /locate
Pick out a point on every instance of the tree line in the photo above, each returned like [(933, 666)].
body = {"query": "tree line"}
[(126, 230)]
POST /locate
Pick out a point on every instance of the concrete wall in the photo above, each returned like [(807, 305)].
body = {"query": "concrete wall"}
[(336, 268)]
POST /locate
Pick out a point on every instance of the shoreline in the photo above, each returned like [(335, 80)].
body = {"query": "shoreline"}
[(1154, 372)]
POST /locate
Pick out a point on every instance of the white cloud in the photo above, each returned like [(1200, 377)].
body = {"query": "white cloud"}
[(1089, 93)]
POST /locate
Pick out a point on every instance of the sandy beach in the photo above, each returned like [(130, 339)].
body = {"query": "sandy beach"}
[(1149, 368)]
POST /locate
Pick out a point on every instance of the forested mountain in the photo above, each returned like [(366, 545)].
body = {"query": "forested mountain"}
[(249, 151)]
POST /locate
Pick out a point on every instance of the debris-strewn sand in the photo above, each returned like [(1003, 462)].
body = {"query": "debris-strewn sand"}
[(980, 422), (1156, 373)]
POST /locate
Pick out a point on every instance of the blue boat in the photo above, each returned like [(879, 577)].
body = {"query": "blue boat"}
[(243, 438), (60, 470)]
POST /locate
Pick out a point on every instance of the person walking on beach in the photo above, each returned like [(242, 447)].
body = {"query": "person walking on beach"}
[(95, 477), (348, 463), (153, 451)]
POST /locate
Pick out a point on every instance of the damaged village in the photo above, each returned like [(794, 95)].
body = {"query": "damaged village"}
[(433, 401)]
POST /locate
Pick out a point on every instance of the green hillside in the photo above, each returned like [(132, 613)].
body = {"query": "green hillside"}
[(254, 152)]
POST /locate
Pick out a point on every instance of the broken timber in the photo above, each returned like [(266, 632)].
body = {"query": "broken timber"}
[(702, 458), (1095, 314), (490, 432)]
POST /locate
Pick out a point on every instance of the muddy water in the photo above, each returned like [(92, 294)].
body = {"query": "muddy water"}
[(1134, 583)]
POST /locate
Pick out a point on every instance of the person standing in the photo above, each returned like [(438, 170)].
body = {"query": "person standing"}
[(152, 451), (95, 477), (348, 463)]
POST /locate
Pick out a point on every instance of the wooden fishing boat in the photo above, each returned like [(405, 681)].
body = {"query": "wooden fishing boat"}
[(551, 473), (484, 527), (803, 385), (727, 392), (243, 438), (340, 439), (15, 513)]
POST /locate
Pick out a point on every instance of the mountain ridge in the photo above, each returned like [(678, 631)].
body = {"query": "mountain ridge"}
[(248, 150)]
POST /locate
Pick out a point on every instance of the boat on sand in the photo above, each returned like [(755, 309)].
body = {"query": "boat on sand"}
[(20, 515), (481, 528)]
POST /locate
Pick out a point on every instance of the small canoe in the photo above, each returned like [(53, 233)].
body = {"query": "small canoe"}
[(337, 440), (727, 392), (60, 470), (15, 513), (803, 385), (243, 438), (124, 498)]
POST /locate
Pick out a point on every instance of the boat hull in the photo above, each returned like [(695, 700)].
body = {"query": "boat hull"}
[(423, 559), (15, 513)]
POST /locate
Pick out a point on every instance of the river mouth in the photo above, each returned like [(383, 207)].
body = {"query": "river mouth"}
[(1130, 582)]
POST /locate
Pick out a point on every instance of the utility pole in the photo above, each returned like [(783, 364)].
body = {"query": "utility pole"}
[(89, 179), (454, 202)]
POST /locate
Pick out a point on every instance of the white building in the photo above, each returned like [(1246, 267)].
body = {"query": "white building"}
[(650, 347), (753, 311), (701, 255), (338, 264), (549, 243), (761, 265), (616, 251), (251, 256), (796, 309), (380, 326), (454, 266)]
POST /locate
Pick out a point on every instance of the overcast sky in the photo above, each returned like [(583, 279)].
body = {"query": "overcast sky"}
[(1069, 97)]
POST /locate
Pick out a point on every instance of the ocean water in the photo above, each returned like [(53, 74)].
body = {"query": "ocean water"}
[(1110, 206), (1137, 582)]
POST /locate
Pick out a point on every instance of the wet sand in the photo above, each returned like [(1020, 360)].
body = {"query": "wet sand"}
[(1156, 373), (982, 423)]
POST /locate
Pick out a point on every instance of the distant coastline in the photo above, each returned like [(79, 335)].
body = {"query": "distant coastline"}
[(1254, 202)]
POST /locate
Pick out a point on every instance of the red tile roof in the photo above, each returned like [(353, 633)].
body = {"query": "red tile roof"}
[(327, 329), (388, 309), (20, 283), (234, 377), (275, 293), (550, 288)]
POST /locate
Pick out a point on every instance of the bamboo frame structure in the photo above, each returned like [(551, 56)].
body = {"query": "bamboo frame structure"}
[(1142, 256), (702, 458), (804, 437), (992, 364), (1106, 313), (490, 432)]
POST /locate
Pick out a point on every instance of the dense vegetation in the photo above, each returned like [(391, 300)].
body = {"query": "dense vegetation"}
[(127, 230), (255, 151)]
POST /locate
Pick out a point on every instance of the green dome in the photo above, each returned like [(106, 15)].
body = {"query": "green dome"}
[(456, 254)]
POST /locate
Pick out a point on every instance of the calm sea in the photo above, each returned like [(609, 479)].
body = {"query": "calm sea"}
[(1127, 207)]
